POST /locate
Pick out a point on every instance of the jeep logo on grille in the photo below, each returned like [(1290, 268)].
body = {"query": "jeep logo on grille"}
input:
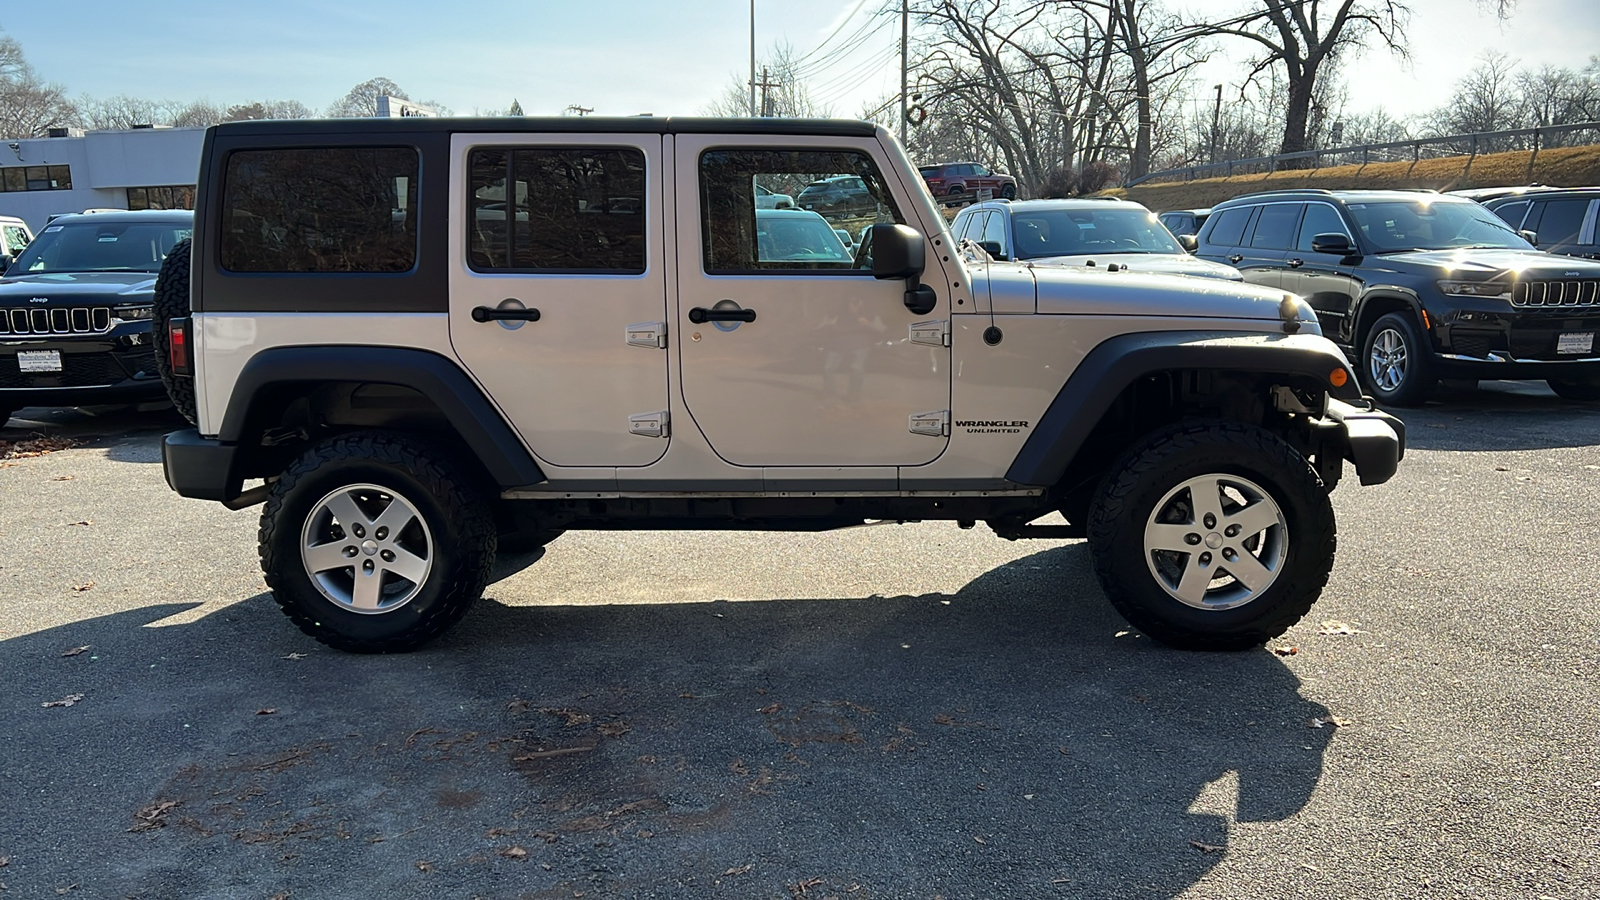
[(38, 299)]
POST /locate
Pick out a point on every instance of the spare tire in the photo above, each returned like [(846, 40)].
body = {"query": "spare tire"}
[(172, 302)]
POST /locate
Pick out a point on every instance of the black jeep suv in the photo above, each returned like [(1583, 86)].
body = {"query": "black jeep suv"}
[(1419, 286), (75, 310), (1561, 221)]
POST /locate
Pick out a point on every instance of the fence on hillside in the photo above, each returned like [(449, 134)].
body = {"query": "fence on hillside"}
[(1535, 139)]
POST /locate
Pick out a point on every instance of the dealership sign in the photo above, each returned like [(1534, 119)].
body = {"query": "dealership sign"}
[(395, 108)]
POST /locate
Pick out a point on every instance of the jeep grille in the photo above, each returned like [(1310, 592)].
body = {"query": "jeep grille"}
[(1555, 293), (61, 320)]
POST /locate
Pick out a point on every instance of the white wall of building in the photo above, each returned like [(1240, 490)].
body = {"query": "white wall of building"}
[(104, 165)]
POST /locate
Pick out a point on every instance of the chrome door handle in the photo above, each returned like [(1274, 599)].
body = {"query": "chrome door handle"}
[(1235, 258), (1296, 263)]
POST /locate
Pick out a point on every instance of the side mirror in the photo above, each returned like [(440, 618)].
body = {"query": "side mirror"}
[(1188, 243), (897, 252), (1531, 237), (993, 249), (1338, 244)]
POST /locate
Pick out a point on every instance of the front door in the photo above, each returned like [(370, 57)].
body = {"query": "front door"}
[(558, 291), (1326, 280), (792, 354)]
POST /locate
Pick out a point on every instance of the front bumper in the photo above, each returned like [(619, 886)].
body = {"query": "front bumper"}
[(1491, 339), (1372, 440), (105, 369)]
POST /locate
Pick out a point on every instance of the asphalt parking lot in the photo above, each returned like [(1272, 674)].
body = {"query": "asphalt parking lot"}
[(897, 712)]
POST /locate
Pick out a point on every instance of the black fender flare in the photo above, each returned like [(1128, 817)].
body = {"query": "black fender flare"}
[(479, 424), (1117, 362), (1360, 319)]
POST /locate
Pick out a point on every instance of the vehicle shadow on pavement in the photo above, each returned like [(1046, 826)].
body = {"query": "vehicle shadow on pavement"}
[(1011, 739)]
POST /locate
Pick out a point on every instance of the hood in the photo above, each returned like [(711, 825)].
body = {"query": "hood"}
[(76, 289), (1155, 263), (1527, 265), (1076, 290)]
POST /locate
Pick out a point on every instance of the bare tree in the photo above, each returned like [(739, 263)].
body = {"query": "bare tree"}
[(785, 94), (1303, 36), (1485, 100), (29, 106), (123, 112), (362, 100), (268, 109)]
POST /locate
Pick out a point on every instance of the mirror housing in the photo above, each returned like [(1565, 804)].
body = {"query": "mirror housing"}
[(1188, 243), (993, 249), (1531, 237), (1334, 243), (897, 252)]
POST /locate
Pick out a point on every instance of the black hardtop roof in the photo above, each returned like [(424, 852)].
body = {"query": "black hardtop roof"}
[(1349, 196), (551, 124)]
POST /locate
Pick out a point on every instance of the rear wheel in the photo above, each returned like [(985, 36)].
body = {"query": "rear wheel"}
[(1212, 536), (1396, 362), (172, 302), (374, 542), (1575, 390)]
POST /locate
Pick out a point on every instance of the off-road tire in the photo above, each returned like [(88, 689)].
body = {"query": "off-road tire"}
[(172, 302), (1582, 391), (1127, 500), (447, 499), (1417, 381)]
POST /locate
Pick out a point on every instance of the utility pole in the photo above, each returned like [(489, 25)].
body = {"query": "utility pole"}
[(1216, 124), (753, 59), (764, 84), (905, 32)]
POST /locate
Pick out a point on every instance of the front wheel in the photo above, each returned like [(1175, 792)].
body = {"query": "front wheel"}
[(1212, 536), (375, 542), (1009, 192), (1575, 390), (1396, 362)]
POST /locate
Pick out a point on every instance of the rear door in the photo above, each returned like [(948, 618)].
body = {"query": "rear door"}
[(570, 226), (1264, 255), (1559, 225), (791, 356)]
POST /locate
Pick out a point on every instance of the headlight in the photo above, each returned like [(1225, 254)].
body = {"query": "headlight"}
[(1498, 290), (133, 313)]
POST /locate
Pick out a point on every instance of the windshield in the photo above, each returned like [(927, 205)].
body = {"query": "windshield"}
[(1432, 223), (104, 246), (797, 237), (1074, 232)]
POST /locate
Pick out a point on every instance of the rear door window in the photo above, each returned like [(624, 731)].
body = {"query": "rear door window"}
[(1275, 226), (1227, 227), (1558, 222), (558, 209)]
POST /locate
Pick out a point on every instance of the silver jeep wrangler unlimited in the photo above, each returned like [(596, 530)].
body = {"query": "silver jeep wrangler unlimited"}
[(432, 337)]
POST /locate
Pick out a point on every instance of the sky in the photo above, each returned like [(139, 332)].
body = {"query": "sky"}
[(623, 57)]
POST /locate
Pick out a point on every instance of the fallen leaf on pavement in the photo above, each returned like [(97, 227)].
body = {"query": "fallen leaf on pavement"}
[(1336, 627), (79, 522), (1335, 721), (614, 729), (63, 478), (153, 816), (569, 717), (68, 700), (269, 711), (514, 852), (80, 588), (1286, 651), (770, 708), (738, 871), (74, 651), (424, 866), (1207, 848), (294, 656)]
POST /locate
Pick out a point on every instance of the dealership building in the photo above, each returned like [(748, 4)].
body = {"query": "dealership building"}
[(145, 168)]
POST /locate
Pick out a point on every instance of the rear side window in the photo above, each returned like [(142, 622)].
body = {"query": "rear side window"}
[(328, 209), (1275, 226), (1227, 227), (1560, 221), (558, 209), (1512, 213)]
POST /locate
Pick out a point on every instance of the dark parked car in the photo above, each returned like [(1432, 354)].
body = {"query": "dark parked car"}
[(1562, 221), (1108, 233), (1485, 194), (75, 310), (840, 194), (959, 178), (1184, 221), (1419, 286)]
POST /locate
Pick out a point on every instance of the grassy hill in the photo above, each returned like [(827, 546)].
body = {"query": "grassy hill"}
[(1566, 166)]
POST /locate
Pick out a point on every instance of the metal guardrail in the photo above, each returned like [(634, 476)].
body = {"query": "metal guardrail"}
[(1543, 137)]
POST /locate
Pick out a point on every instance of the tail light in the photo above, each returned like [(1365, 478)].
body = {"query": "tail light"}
[(178, 347)]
